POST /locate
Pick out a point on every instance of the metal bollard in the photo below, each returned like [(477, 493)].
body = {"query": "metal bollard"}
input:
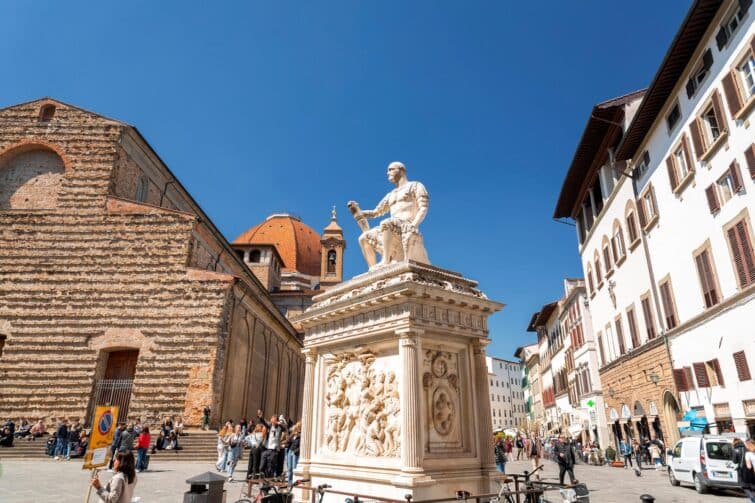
[(647, 498)]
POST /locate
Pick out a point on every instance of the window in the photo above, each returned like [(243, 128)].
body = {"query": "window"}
[(632, 228), (728, 27), (647, 313), (598, 276), (46, 113), (740, 362), (699, 73), (701, 374), (648, 208), (710, 125), (332, 259), (740, 246), (673, 117), (632, 322), (617, 244), (607, 257), (643, 165), (667, 299), (683, 379), (3, 338), (708, 282), (679, 164), (750, 158), (255, 256), (714, 372), (602, 351), (590, 284), (620, 336)]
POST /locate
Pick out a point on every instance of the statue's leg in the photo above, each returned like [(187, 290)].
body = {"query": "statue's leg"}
[(367, 250), (387, 245)]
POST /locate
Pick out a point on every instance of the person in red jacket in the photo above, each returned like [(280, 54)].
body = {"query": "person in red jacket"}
[(142, 446)]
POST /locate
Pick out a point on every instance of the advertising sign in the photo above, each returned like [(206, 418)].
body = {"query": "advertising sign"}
[(103, 429)]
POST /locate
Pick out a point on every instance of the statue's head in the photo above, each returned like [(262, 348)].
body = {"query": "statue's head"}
[(396, 170)]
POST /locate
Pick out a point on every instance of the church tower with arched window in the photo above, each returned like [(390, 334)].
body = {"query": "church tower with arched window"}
[(333, 246)]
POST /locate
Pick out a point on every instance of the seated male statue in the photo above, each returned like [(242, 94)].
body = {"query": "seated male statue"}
[(397, 238)]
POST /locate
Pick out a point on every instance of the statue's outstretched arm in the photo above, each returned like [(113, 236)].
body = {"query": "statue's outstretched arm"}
[(382, 208)]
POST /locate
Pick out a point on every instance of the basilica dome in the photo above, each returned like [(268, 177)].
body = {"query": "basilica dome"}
[(297, 243)]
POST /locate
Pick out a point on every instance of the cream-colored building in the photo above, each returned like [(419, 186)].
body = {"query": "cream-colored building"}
[(506, 393)]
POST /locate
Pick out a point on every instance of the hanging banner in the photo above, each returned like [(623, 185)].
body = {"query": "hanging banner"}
[(103, 430)]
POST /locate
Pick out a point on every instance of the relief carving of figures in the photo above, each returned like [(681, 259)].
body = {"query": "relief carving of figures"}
[(362, 408), (441, 383)]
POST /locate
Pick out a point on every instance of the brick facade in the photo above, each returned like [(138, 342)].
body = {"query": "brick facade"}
[(85, 270)]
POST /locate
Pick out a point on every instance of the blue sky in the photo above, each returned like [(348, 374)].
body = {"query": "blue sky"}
[(261, 107)]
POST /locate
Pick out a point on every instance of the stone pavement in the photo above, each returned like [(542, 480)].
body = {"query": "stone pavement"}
[(40, 481), (609, 485)]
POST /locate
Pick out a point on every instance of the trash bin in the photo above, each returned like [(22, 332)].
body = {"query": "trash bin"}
[(205, 488), (646, 498)]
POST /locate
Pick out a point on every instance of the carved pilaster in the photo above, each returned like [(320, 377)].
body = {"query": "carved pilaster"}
[(310, 360), (483, 403), (410, 347)]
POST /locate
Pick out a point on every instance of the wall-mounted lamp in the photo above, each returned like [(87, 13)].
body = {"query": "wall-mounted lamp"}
[(654, 378)]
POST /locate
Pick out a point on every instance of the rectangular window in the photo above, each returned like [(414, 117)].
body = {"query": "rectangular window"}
[(740, 246), (711, 127), (728, 27), (601, 350), (743, 370), (620, 336), (680, 161), (680, 380), (632, 322), (667, 299), (673, 117), (708, 282), (725, 188), (747, 76), (643, 165), (647, 312), (632, 227), (649, 207), (701, 374), (699, 73), (714, 372)]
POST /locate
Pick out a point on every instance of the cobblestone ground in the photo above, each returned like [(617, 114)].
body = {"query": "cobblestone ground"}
[(609, 485), (63, 482)]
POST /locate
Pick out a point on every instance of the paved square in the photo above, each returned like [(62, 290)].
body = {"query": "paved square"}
[(64, 482)]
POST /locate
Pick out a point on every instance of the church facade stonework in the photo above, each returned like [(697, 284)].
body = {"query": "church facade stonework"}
[(114, 279)]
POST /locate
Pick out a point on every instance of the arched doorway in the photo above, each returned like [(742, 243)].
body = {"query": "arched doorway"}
[(671, 414), (117, 382)]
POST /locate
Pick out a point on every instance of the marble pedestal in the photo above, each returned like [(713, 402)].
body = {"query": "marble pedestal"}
[(396, 397)]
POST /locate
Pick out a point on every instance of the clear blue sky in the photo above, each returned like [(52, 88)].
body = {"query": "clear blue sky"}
[(272, 106)]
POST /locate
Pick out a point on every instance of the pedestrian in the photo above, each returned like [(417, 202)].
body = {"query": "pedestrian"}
[(121, 487), (499, 450), (116, 444), (292, 454), (234, 451), (74, 432), (519, 446), (255, 441), (223, 442), (638, 454), (128, 437), (206, 417), (535, 452), (565, 460), (269, 464), (655, 455), (142, 446), (747, 470), (626, 452), (62, 442)]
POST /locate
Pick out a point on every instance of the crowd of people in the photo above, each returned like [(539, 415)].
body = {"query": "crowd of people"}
[(273, 445), (564, 451)]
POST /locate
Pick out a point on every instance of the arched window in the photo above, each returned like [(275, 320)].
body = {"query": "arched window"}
[(255, 256), (46, 113), (606, 255), (631, 223), (598, 275), (30, 178), (617, 242), (332, 258)]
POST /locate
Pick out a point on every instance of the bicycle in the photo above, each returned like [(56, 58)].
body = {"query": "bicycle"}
[(281, 493), (505, 494)]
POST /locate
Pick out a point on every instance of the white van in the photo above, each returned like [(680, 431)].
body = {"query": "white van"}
[(705, 461)]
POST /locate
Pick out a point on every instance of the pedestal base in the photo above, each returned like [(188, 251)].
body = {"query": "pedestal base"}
[(396, 391)]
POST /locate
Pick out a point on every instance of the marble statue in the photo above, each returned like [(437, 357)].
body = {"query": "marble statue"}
[(397, 238), (362, 408)]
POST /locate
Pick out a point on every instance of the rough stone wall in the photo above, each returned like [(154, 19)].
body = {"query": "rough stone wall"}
[(629, 378), (97, 274)]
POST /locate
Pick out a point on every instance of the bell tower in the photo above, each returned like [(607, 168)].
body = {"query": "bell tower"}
[(332, 246)]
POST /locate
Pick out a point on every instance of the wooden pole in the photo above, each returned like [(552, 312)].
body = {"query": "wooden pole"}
[(89, 489)]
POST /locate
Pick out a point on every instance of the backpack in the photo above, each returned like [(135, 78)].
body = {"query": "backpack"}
[(519, 443)]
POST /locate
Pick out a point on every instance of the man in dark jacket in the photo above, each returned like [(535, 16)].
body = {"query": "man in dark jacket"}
[(73, 438), (62, 438), (116, 443), (127, 439), (565, 459)]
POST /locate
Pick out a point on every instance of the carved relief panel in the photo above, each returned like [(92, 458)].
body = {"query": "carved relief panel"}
[(362, 409), (442, 392)]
